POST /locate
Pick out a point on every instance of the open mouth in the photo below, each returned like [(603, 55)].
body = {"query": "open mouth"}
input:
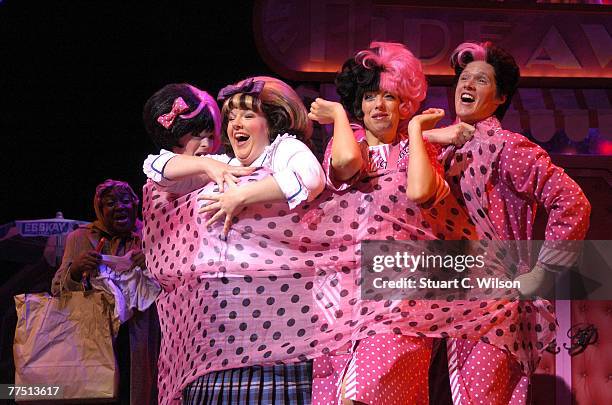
[(467, 98), (121, 218), (241, 139)]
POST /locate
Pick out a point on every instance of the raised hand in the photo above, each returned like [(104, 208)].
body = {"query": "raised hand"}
[(427, 119), (325, 112), (456, 134)]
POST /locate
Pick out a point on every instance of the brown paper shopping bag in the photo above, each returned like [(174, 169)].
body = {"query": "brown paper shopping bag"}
[(67, 341)]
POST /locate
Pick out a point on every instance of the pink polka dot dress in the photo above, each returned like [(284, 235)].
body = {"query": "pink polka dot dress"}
[(483, 374), (386, 368)]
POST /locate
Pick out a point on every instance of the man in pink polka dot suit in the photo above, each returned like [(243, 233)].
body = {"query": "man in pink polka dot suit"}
[(510, 177)]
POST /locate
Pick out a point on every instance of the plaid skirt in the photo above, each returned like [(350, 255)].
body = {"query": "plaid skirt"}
[(287, 384)]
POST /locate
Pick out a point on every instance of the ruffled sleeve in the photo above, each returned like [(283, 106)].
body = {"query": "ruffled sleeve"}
[(153, 168)]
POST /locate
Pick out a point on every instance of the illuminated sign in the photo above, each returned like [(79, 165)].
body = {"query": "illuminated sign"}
[(309, 40)]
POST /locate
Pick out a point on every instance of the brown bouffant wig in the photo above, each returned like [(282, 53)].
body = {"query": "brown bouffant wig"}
[(282, 107)]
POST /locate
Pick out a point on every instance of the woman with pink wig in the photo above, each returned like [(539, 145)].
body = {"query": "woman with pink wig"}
[(381, 88)]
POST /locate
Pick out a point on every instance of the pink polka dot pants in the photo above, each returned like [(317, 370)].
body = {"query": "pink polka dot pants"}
[(382, 370), (483, 374)]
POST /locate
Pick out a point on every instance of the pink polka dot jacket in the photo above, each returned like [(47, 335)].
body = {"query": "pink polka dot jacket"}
[(503, 178)]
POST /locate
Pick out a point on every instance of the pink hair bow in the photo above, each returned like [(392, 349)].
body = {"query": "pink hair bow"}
[(178, 107)]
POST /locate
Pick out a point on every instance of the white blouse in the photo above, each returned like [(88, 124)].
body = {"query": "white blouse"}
[(294, 167)]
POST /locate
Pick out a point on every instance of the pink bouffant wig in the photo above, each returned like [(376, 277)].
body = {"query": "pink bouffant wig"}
[(400, 73), (468, 52)]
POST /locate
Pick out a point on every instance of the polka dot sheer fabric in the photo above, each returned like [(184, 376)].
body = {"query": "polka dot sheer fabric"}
[(284, 285), (502, 177)]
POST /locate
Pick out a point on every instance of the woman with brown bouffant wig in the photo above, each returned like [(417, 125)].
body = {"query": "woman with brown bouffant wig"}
[(264, 124)]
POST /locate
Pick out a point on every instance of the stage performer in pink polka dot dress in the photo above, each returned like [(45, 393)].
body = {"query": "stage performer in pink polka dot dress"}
[(381, 88), (503, 178)]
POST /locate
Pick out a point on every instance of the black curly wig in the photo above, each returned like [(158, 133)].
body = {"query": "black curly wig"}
[(353, 81), (161, 103)]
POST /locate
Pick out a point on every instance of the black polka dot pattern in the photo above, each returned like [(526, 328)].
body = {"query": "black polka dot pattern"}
[(498, 177), (293, 286)]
